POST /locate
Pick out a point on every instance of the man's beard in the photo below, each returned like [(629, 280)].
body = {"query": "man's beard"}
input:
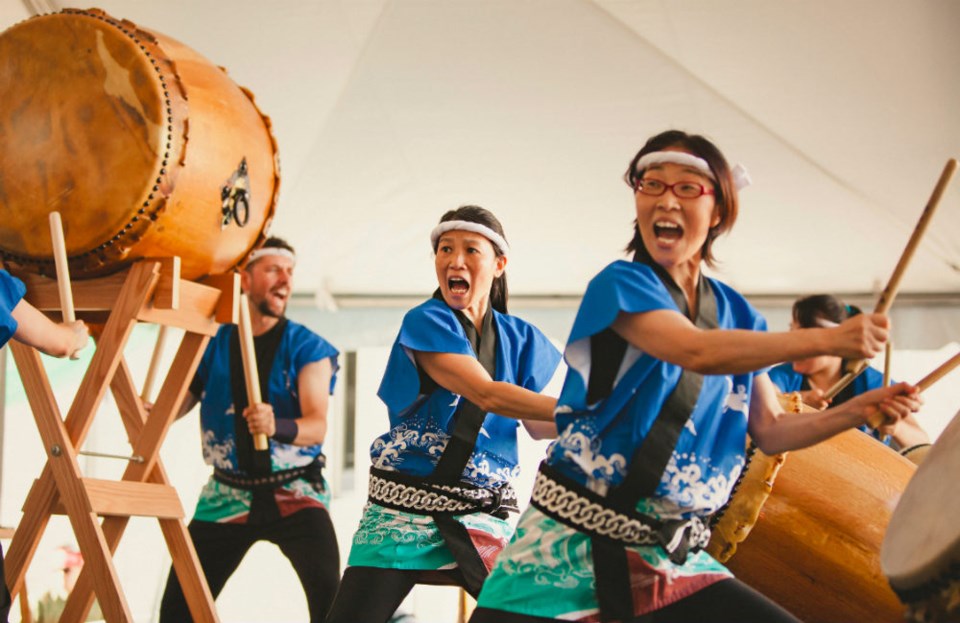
[(265, 310)]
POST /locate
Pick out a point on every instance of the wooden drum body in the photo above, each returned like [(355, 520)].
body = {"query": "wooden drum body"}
[(144, 147), (921, 550), (815, 546)]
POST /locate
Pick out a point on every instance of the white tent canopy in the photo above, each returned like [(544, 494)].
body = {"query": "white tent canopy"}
[(389, 112)]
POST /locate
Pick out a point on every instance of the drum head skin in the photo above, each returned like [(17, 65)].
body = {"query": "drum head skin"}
[(82, 112), (923, 537), (133, 137)]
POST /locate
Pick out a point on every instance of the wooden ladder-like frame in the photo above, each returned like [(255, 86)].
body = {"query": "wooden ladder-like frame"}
[(149, 291)]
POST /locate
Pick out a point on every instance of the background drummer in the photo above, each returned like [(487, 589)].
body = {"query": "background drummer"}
[(237, 508), (812, 377)]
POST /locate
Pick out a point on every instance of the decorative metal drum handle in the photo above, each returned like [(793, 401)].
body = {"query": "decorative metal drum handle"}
[(235, 198)]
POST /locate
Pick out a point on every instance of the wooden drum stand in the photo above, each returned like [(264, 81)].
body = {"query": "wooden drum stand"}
[(149, 291)]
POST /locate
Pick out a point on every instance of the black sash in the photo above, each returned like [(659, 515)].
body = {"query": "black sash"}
[(651, 457), (469, 419), (312, 473), (249, 460)]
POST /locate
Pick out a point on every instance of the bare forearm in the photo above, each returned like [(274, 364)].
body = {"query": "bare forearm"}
[(463, 375), (775, 431), (50, 338), (793, 431), (515, 402), (541, 430), (310, 431), (739, 351), (668, 336)]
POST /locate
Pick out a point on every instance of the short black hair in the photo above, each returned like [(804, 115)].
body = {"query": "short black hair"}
[(809, 309)]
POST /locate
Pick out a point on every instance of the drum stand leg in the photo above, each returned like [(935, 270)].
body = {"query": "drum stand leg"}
[(145, 294)]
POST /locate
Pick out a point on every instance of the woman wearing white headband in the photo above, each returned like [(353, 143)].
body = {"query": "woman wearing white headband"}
[(665, 377), (461, 374), (813, 376)]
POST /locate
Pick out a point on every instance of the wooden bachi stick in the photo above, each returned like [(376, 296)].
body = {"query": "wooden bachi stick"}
[(944, 369), (250, 366), (890, 292), (154, 363), (63, 271)]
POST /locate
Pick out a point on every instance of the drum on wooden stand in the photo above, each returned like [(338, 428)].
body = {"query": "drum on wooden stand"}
[(921, 550), (145, 148), (805, 528)]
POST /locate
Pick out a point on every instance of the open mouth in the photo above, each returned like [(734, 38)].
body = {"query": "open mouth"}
[(667, 231), (456, 285)]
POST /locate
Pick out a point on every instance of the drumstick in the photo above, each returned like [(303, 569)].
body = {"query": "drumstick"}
[(63, 271), (154, 363), (250, 373), (890, 292), (944, 369), (887, 355), (877, 420)]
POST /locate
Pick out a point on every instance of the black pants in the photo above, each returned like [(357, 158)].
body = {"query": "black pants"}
[(306, 538), (372, 595), (722, 602)]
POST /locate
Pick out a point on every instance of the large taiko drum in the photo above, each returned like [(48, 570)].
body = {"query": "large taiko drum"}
[(805, 528), (921, 550), (144, 147)]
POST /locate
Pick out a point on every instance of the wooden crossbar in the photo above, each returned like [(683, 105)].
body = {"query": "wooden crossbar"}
[(99, 510)]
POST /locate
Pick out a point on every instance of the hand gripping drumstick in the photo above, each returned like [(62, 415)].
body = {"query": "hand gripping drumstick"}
[(923, 385), (250, 373), (890, 292), (63, 271)]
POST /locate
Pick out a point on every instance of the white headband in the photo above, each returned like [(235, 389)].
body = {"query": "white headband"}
[(741, 179), (497, 240), (265, 251)]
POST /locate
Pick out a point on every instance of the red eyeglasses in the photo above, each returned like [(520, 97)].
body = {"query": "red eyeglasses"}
[(683, 190)]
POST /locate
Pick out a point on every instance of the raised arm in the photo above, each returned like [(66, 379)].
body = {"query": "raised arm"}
[(670, 336), (462, 374), (775, 431), (55, 339)]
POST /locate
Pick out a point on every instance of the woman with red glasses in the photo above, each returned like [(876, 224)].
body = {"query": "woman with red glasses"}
[(666, 375)]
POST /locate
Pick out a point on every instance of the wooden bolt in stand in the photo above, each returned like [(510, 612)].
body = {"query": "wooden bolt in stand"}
[(149, 291)]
